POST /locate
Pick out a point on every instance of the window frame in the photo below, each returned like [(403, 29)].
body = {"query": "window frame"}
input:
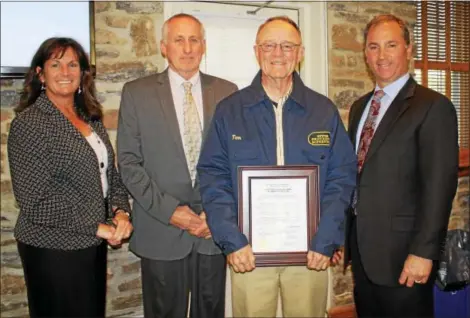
[(448, 66)]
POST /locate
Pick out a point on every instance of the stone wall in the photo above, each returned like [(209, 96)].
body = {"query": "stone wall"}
[(127, 46), (12, 289)]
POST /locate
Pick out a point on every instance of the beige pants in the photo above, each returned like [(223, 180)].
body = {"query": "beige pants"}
[(304, 292)]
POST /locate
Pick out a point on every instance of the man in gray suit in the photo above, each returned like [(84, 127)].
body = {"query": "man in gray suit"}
[(162, 120)]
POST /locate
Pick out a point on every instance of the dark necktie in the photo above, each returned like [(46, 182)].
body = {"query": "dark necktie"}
[(368, 129), (366, 137)]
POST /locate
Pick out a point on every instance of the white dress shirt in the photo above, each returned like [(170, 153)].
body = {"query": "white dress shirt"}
[(177, 91), (391, 91)]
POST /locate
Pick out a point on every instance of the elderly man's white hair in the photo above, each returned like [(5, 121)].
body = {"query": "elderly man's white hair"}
[(177, 16)]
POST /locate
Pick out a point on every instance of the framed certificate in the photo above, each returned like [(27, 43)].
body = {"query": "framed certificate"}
[(278, 211)]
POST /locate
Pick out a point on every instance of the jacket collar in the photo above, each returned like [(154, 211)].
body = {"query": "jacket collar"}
[(45, 104), (260, 95)]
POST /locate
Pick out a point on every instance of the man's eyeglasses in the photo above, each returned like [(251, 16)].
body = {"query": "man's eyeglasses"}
[(285, 47)]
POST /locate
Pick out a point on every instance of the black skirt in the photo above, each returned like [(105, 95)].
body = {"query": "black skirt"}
[(65, 283)]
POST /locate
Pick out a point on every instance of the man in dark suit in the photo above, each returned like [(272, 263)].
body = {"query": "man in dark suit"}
[(163, 118), (406, 141)]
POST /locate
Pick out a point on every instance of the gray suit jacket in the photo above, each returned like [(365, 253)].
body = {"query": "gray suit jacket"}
[(153, 165)]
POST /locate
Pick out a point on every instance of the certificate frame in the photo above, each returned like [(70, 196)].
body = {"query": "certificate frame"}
[(248, 173)]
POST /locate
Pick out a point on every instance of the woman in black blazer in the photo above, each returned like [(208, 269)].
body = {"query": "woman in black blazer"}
[(66, 185)]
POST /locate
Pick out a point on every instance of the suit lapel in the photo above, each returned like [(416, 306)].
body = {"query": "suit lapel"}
[(208, 102), (168, 109), (399, 105)]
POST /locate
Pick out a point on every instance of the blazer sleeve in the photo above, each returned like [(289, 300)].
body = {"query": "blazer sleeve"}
[(31, 175), (438, 174), (142, 187)]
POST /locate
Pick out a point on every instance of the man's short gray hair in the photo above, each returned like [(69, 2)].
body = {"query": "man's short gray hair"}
[(178, 16), (282, 18)]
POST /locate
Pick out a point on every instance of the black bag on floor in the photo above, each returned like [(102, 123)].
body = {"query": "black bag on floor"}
[(454, 266)]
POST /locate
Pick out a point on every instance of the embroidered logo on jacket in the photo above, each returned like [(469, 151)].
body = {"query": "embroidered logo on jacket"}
[(319, 138)]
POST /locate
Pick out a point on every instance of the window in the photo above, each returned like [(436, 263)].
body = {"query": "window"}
[(442, 40)]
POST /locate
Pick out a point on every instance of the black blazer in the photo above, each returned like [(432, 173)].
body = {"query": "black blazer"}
[(408, 181), (56, 179)]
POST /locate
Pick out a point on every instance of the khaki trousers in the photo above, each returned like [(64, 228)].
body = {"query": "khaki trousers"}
[(304, 292)]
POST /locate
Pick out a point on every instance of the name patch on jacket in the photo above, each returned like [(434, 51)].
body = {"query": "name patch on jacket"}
[(319, 138)]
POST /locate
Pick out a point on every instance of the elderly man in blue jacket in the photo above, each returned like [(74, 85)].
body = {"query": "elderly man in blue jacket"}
[(269, 123)]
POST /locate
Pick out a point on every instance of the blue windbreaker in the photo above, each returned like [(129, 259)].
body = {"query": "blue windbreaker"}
[(243, 133)]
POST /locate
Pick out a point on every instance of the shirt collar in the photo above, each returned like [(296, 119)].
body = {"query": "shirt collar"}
[(392, 90), (179, 80), (283, 98), (296, 91)]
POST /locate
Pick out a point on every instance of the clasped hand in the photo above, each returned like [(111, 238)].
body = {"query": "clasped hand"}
[(185, 219), (115, 234)]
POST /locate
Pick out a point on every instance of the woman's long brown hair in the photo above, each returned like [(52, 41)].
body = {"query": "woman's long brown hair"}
[(86, 103)]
